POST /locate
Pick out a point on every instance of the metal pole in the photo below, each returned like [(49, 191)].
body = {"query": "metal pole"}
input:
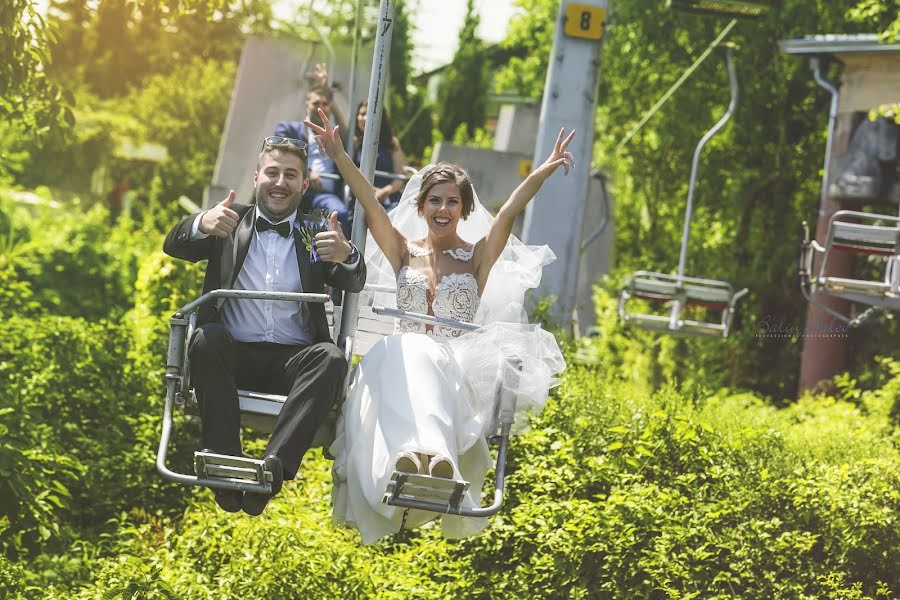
[(377, 84), (823, 357), (686, 232), (569, 101), (814, 64), (357, 35)]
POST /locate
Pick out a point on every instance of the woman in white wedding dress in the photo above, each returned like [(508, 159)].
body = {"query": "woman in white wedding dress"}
[(421, 399)]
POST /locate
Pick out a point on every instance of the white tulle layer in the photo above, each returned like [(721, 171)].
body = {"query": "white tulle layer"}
[(408, 393)]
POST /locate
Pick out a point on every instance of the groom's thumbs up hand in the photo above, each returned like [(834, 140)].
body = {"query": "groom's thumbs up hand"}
[(220, 220), (332, 245)]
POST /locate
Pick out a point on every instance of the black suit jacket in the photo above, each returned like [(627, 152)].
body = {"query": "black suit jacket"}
[(226, 257)]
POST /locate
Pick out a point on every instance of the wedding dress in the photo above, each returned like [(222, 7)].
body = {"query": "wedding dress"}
[(410, 393), (431, 389)]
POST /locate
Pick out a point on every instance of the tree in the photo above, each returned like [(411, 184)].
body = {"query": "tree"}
[(531, 31), (408, 106), (462, 92), (758, 179), (27, 96)]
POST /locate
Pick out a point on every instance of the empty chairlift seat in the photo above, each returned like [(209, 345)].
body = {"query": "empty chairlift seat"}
[(874, 236), (677, 294)]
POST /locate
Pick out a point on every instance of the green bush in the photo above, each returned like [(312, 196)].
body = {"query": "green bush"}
[(613, 493), (74, 268), (77, 444)]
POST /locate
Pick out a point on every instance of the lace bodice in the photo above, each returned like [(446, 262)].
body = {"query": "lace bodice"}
[(455, 295)]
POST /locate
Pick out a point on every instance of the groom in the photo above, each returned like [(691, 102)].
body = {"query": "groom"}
[(269, 346)]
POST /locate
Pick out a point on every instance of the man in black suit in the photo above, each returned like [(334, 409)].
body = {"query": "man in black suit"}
[(271, 346)]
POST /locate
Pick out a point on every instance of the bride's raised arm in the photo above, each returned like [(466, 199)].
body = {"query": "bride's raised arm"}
[(391, 241), (501, 228)]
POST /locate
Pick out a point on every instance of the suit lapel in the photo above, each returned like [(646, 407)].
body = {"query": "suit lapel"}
[(306, 276), (241, 245)]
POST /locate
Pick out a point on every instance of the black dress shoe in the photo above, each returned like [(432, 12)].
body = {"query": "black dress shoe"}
[(255, 503), (229, 500)]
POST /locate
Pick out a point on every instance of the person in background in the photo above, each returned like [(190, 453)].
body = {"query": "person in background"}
[(324, 192), (389, 158)]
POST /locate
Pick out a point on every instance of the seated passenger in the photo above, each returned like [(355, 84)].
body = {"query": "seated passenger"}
[(421, 400), (389, 158), (266, 345), (324, 193)]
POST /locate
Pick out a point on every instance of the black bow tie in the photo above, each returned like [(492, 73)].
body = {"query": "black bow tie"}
[(283, 228)]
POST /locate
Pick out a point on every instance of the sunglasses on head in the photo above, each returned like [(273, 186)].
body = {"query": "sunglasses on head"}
[(277, 140)]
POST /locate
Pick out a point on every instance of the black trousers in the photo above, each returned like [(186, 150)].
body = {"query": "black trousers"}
[(312, 378)]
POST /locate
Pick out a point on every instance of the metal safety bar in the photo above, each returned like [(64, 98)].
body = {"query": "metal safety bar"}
[(847, 234), (176, 385), (385, 174)]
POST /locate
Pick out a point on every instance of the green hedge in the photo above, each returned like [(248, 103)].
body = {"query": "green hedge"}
[(612, 494)]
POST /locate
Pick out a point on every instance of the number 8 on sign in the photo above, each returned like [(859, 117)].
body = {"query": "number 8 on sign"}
[(584, 21)]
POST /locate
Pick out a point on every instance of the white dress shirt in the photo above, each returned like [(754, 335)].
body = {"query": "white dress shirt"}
[(270, 265)]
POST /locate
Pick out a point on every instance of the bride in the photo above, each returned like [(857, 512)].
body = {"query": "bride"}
[(420, 401)]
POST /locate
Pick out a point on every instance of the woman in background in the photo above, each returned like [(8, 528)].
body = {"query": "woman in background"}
[(389, 159)]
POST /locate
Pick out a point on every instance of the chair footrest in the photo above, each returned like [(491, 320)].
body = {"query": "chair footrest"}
[(839, 284), (225, 466), (410, 486)]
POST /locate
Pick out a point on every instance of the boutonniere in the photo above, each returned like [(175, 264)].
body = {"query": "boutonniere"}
[(308, 225)]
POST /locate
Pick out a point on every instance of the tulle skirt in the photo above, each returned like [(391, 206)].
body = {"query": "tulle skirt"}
[(412, 392)]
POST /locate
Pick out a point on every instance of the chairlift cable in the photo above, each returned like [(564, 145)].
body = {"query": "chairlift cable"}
[(665, 97)]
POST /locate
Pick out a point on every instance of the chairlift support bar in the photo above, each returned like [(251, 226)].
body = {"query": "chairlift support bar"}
[(176, 386), (313, 21), (377, 84), (677, 289), (732, 81), (351, 93)]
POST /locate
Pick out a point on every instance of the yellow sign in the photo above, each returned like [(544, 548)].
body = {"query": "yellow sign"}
[(584, 21), (524, 168)]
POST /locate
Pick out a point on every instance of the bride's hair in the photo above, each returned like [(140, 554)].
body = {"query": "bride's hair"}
[(448, 173)]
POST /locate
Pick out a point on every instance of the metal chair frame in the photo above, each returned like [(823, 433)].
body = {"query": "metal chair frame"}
[(678, 290), (858, 233), (260, 410)]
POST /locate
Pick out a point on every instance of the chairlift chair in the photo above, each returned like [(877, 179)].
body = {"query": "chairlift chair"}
[(679, 292), (260, 410), (867, 234), (357, 327)]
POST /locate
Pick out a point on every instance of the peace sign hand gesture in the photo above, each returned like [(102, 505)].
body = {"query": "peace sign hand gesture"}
[(559, 156), (326, 136)]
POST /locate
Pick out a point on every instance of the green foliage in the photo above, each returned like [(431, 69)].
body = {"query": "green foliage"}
[(185, 111), (530, 30), (114, 45), (27, 96), (11, 578), (74, 269), (462, 91), (410, 111), (64, 391), (163, 286), (613, 493)]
